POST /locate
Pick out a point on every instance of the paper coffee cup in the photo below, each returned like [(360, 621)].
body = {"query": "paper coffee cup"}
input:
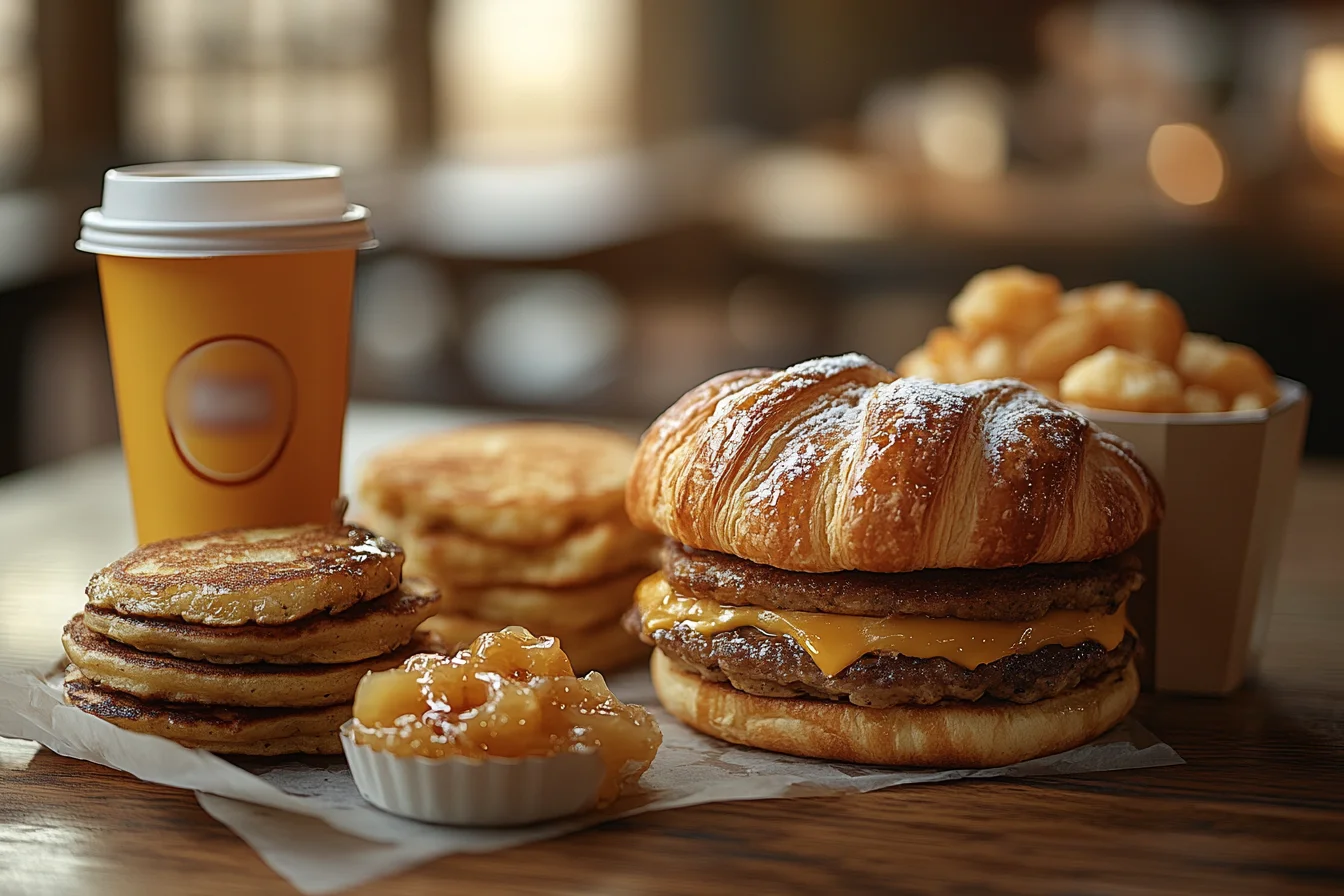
[(227, 293), (1213, 564)]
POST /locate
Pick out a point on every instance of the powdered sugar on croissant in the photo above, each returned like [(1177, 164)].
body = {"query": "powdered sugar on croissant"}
[(837, 464)]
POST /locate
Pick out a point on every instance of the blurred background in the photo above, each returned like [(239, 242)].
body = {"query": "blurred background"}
[(589, 206)]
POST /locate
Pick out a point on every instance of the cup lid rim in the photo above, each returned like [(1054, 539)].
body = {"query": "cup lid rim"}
[(226, 171), (95, 218), (204, 239), (223, 207)]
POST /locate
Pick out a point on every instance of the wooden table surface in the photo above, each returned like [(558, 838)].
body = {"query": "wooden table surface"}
[(1258, 808)]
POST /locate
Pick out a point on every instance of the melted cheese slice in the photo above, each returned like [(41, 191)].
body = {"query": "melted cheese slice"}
[(834, 641)]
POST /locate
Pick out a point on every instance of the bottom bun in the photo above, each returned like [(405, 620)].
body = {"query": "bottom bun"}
[(984, 734)]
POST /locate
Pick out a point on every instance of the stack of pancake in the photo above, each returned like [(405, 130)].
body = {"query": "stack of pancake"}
[(245, 641), (518, 524)]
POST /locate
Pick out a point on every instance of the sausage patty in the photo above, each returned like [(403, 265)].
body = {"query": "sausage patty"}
[(776, 666), (1014, 594)]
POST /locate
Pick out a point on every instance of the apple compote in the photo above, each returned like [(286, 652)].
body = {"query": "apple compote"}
[(510, 694)]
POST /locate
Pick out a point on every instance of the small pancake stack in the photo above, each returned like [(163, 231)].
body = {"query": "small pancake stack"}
[(518, 524), (248, 641)]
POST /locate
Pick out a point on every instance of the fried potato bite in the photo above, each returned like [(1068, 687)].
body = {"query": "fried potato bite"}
[(918, 363), (1234, 371), (1060, 344), (1120, 380), (1012, 301), (951, 351), (1113, 345), (1252, 401), (1143, 321), (994, 357), (1203, 400), (949, 357)]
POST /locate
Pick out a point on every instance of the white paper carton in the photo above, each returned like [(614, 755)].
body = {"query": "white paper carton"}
[(1213, 565)]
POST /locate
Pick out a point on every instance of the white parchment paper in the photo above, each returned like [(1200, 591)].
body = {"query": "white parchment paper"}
[(306, 820)]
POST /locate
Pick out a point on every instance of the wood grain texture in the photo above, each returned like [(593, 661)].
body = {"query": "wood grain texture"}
[(1258, 809)]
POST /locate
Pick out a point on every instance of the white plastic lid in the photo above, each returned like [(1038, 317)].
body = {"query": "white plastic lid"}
[(202, 209)]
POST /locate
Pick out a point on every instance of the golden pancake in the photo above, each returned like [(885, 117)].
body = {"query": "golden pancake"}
[(368, 629), (154, 677), (597, 551), (606, 647), (220, 729), (537, 608), (270, 576), (311, 744), (516, 483)]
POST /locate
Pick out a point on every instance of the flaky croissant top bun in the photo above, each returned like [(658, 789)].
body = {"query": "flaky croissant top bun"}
[(836, 464)]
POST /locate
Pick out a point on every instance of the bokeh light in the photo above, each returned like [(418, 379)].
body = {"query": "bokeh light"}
[(545, 337), (1322, 104), (962, 126), (1186, 163)]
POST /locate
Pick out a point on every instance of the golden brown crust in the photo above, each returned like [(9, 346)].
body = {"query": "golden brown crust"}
[(517, 483), (984, 734), (168, 679), (220, 729), (835, 464), (366, 630), (1013, 594), (270, 576)]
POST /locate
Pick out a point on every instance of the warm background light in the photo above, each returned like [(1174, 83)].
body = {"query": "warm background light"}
[(1322, 104), (810, 193), (961, 125), (538, 77), (743, 183), (1186, 163)]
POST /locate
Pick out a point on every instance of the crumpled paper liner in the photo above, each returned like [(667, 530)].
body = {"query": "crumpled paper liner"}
[(306, 820)]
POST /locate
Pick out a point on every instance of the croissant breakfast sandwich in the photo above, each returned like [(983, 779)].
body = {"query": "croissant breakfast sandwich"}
[(890, 571)]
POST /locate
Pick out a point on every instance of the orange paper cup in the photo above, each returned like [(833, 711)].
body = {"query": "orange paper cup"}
[(227, 294)]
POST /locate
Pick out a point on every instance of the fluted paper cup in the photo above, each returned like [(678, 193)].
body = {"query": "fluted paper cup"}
[(499, 792), (1213, 564)]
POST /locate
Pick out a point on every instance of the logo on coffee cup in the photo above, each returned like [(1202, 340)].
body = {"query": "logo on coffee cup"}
[(230, 408)]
